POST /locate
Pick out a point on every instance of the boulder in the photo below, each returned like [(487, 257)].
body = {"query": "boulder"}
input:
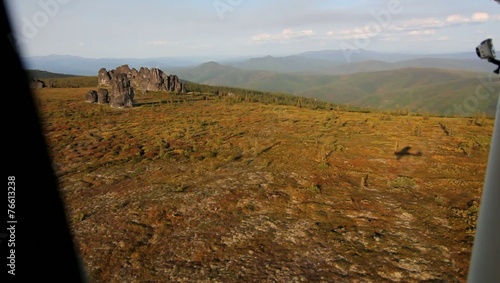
[(123, 69), (102, 96), (175, 85), (35, 83), (91, 96), (156, 80), (103, 77), (122, 93)]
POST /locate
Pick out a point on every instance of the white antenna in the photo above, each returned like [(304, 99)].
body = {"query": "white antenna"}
[(485, 259)]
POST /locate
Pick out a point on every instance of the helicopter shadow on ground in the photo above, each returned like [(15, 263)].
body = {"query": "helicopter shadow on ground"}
[(406, 152)]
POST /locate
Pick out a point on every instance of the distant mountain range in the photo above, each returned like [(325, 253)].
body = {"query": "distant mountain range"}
[(420, 83), (81, 66), (332, 62), (337, 62)]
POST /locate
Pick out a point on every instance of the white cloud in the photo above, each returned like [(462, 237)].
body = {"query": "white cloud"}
[(415, 25), (262, 37), (434, 23), (430, 39), (475, 18), (356, 33), (480, 17), (423, 32), (457, 19), (286, 34), (164, 43), (423, 26)]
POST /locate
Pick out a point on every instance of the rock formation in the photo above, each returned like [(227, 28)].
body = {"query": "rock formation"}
[(122, 93), (91, 96), (37, 84), (145, 79), (123, 81), (103, 78), (102, 96)]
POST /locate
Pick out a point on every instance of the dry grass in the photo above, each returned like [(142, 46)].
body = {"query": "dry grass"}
[(196, 189)]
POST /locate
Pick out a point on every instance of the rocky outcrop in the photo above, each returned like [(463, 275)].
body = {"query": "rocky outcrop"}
[(122, 93), (35, 83), (91, 96), (144, 80), (102, 96), (123, 69), (174, 84), (123, 82), (103, 78)]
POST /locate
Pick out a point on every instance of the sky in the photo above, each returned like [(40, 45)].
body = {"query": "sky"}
[(232, 28)]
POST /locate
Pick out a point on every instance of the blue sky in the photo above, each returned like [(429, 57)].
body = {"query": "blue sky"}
[(163, 28)]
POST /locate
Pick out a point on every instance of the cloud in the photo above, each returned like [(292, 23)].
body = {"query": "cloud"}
[(285, 35), (457, 19), (429, 39), (356, 33), (429, 26), (422, 24), (414, 27), (475, 18), (480, 17), (164, 43), (415, 36), (418, 29), (262, 37), (422, 32)]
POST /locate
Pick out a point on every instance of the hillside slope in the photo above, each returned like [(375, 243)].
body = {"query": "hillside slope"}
[(416, 89), (204, 188)]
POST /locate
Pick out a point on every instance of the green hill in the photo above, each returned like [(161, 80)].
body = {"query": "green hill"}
[(414, 89)]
